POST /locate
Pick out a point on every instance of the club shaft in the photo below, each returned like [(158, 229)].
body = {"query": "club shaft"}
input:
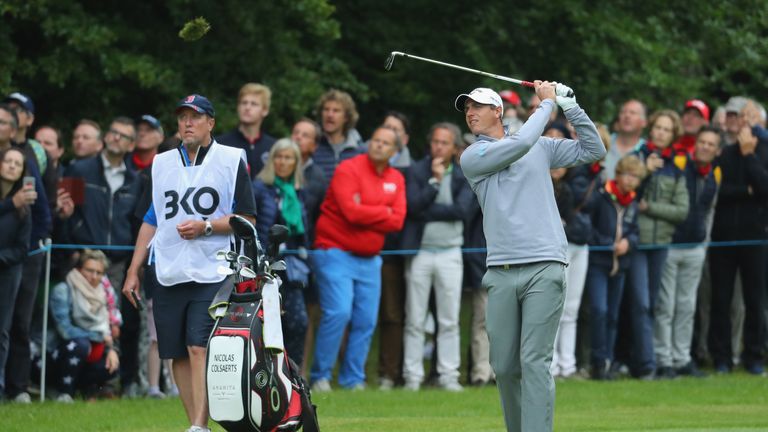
[(466, 69)]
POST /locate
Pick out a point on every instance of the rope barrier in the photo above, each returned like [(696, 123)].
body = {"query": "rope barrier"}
[(735, 243)]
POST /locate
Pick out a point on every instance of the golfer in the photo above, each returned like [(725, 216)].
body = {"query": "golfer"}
[(527, 248)]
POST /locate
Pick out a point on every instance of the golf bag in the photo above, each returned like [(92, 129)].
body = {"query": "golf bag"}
[(252, 384)]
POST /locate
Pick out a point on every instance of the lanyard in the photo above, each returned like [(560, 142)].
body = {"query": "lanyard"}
[(185, 156)]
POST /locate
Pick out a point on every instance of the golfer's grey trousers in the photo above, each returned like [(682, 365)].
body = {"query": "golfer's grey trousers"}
[(524, 306)]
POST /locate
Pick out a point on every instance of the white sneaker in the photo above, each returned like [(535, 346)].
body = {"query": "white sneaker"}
[(358, 387), (452, 386), (64, 398), (386, 384), (195, 428), (321, 386), (413, 386), (23, 398)]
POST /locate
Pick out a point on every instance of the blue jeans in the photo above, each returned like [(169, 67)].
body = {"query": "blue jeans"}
[(349, 288), (604, 303), (646, 268)]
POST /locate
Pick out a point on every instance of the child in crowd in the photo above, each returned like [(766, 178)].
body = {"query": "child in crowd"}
[(614, 225)]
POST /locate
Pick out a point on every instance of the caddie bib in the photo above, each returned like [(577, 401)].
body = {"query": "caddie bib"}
[(198, 192)]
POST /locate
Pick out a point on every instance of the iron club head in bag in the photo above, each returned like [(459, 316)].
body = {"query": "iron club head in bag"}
[(247, 273), (225, 271), (244, 260)]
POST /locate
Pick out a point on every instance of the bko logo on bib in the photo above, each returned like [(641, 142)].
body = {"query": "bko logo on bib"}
[(204, 201)]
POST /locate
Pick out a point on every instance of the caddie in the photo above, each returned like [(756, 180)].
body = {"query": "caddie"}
[(195, 189)]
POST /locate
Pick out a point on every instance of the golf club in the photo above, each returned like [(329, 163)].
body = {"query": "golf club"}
[(247, 273), (278, 266), (244, 260), (224, 271), (391, 60)]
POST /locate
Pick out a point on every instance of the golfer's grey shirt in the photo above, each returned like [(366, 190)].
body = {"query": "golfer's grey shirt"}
[(511, 179)]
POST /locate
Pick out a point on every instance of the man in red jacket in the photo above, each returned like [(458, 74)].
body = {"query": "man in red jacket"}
[(365, 201)]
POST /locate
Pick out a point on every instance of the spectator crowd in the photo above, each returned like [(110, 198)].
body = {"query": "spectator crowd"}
[(666, 245)]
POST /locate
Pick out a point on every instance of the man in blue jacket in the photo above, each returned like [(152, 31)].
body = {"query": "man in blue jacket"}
[(438, 198)]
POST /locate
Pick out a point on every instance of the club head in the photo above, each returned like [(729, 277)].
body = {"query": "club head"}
[(247, 273), (224, 271), (231, 256), (278, 234), (279, 266), (242, 259), (242, 227), (391, 59), (221, 255)]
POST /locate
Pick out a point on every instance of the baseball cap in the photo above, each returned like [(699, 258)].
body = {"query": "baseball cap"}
[(22, 99), (510, 96), (200, 104), (736, 104), (151, 120), (480, 95), (699, 106)]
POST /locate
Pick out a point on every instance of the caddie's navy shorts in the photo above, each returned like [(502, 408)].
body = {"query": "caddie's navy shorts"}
[(181, 317)]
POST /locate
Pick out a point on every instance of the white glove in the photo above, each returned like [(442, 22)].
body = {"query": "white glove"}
[(565, 97)]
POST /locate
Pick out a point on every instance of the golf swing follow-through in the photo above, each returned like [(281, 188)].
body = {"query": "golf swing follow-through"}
[(527, 248)]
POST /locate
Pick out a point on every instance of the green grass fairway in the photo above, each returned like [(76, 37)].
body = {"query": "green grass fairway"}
[(732, 403)]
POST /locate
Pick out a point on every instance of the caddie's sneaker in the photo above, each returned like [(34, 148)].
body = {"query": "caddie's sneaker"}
[(196, 428), (321, 386)]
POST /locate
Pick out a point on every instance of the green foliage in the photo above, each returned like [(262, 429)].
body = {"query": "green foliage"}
[(97, 59)]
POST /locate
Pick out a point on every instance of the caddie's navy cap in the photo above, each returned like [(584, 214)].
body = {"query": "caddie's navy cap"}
[(198, 103), (21, 99)]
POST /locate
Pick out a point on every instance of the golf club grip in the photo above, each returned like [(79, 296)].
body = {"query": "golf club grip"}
[(526, 84)]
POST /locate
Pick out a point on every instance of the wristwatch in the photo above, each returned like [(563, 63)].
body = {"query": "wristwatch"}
[(208, 228), (434, 182)]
